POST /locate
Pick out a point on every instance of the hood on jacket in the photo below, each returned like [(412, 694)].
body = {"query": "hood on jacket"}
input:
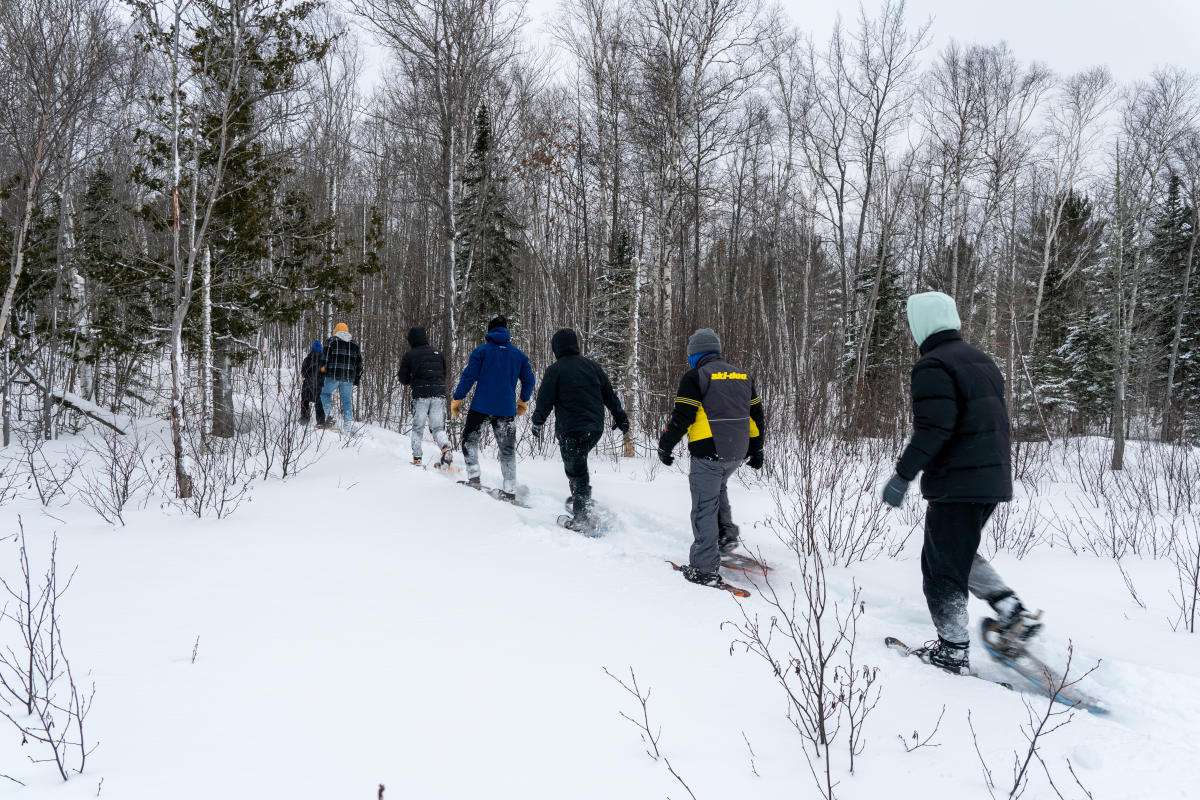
[(316, 346), (343, 335), (498, 336), (565, 343), (930, 313), (417, 337)]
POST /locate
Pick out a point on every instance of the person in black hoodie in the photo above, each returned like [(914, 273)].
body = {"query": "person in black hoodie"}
[(577, 390), (960, 443), (424, 369), (310, 385)]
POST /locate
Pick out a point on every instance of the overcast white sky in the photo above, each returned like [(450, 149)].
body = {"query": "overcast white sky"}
[(1131, 36)]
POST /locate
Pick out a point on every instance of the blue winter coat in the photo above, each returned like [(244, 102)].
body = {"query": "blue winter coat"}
[(494, 369)]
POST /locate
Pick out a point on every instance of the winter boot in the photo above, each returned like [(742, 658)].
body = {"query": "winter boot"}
[(950, 656), (1015, 625), (473, 483), (416, 462), (508, 497), (729, 539), (699, 576), (447, 456)]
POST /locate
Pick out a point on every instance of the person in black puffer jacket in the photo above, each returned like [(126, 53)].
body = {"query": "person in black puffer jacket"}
[(343, 370), (310, 385), (960, 443), (424, 369), (577, 390)]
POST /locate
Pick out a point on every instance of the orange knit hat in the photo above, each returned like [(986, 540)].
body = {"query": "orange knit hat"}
[(341, 327)]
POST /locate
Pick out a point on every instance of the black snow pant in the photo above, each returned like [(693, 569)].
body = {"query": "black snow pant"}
[(505, 430), (307, 399), (951, 566), (575, 448)]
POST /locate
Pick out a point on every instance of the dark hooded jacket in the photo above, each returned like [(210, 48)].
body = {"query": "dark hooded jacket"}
[(311, 379), (576, 389), (960, 424), (423, 368)]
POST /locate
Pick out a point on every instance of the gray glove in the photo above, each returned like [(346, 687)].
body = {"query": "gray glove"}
[(894, 491)]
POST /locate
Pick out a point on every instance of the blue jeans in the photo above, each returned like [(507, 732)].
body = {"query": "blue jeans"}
[(345, 388)]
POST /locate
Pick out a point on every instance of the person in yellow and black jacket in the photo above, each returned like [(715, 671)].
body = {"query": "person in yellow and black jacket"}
[(719, 411)]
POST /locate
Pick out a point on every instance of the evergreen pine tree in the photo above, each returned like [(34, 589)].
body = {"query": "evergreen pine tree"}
[(488, 279)]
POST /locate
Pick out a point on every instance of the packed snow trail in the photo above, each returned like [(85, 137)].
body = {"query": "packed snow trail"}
[(369, 623)]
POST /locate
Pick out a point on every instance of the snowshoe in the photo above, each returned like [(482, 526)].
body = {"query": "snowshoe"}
[(950, 656), (712, 579), (1014, 624)]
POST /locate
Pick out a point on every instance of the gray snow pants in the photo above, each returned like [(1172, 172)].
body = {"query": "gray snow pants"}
[(505, 431), (951, 566), (431, 412), (710, 510)]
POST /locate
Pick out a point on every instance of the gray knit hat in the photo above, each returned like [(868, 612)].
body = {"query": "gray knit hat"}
[(704, 340)]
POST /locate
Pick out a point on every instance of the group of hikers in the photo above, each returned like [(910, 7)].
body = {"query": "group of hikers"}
[(960, 443)]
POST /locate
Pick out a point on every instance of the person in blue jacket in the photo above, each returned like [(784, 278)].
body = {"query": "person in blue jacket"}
[(493, 370)]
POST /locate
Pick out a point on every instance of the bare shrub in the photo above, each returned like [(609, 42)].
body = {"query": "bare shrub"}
[(1186, 557), (122, 473), (1043, 718), (809, 644), (1014, 528), (284, 445), (46, 478), (650, 736), (830, 496), (917, 741), (35, 673), (10, 480), (222, 471)]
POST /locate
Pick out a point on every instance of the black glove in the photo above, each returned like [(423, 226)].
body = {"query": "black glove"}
[(623, 427), (536, 431), (894, 491), (665, 457), (756, 460)]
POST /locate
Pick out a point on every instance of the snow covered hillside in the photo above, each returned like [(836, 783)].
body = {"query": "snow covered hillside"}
[(366, 622)]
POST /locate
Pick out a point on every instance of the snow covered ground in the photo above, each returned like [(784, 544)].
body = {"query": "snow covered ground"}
[(366, 622)]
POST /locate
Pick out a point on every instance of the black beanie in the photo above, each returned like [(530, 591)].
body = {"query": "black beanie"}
[(498, 322)]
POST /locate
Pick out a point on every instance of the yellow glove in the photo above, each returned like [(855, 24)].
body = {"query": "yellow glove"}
[(455, 408), (522, 407)]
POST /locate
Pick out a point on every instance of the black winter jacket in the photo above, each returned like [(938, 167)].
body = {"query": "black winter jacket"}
[(576, 389), (343, 360), (718, 409), (311, 379), (423, 368), (960, 425)]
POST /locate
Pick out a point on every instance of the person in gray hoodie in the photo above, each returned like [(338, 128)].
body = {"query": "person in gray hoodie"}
[(960, 443)]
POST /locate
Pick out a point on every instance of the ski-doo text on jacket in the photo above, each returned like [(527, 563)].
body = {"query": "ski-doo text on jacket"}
[(494, 369), (719, 411), (576, 389), (423, 368)]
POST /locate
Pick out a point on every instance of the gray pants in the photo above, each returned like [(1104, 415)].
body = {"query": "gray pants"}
[(710, 510), (505, 431), (429, 411)]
